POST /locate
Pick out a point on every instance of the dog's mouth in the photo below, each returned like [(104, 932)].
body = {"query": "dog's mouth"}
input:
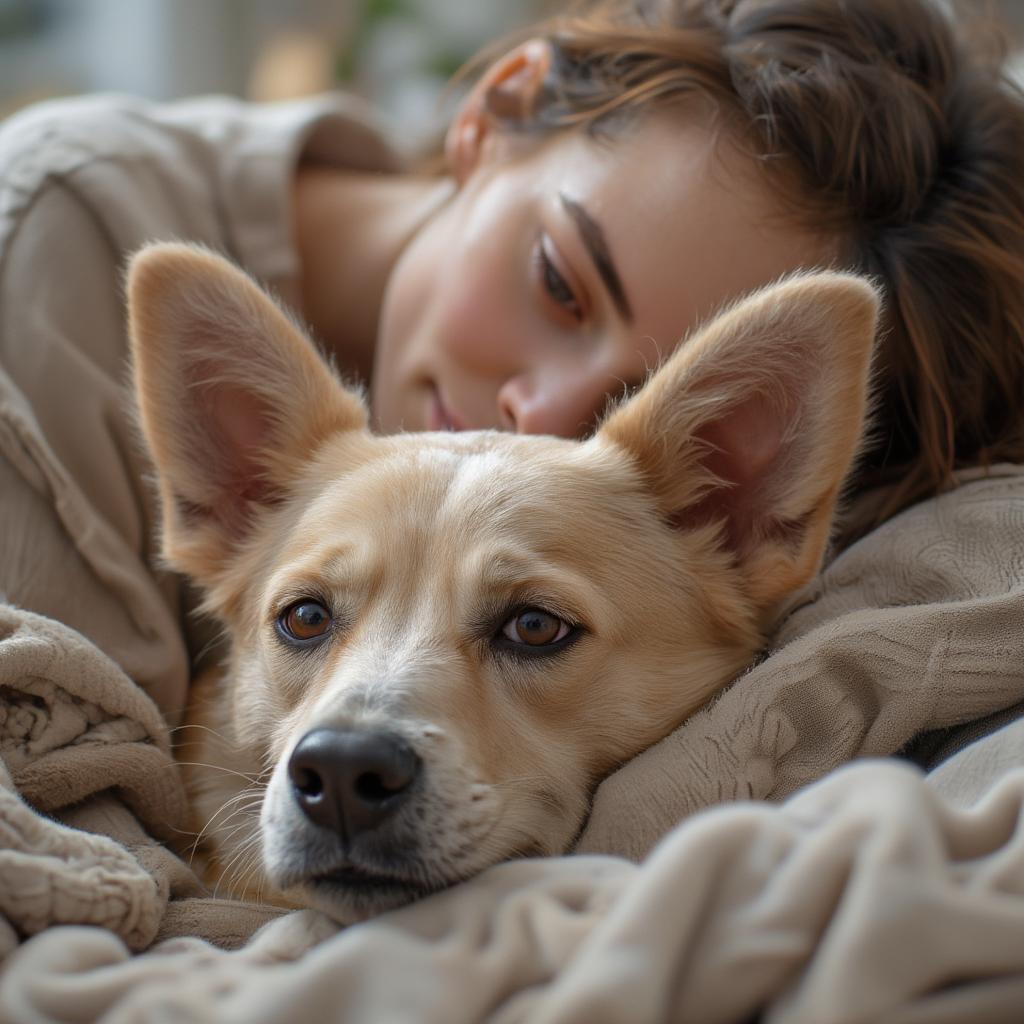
[(355, 878)]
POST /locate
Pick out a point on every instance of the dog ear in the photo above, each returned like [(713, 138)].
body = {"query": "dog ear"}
[(753, 423), (233, 398)]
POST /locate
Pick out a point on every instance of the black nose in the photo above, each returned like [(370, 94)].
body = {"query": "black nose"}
[(350, 781)]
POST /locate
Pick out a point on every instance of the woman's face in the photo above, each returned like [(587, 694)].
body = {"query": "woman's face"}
[(560, 274)]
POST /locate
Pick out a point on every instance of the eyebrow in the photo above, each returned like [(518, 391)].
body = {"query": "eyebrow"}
[(597, 246)]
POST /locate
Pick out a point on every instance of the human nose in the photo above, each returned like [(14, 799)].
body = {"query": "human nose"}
[(565, 406)]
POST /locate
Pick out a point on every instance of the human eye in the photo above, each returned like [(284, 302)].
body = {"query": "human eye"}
[(554, 284)]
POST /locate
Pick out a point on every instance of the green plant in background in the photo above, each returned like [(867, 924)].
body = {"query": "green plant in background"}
[(374, 12), (443, 52), (402, 53)]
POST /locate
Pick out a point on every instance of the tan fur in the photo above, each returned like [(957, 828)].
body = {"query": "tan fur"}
[(671, 536)]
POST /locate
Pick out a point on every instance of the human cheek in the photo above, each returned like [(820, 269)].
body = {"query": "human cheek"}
[(448, 325), (481, 318), (404, 321)]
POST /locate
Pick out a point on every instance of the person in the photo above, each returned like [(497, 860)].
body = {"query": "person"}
[(611, 181)]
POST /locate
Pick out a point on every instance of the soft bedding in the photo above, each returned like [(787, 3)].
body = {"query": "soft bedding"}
[(861, 899), (793, 886)]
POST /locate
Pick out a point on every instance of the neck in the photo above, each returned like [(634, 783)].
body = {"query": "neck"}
[(351, 227)]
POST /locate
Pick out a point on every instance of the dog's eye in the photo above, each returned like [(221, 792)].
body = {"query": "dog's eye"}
[(535, 628), (305, 620)]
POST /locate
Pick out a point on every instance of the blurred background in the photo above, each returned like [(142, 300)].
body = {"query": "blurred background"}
[(396, 53)]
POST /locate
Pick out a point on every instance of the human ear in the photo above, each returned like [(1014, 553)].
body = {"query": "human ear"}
[(508, 91), (233, 400), (751, 426)]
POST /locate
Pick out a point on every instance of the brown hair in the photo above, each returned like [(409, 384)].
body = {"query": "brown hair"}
[(904, 134)]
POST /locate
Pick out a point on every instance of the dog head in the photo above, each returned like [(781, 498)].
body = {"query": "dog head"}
[(440, 643)]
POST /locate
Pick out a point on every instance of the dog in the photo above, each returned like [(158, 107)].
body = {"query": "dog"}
[(439, 643)]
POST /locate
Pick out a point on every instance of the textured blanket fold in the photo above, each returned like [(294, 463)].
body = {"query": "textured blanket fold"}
[(859, 899), (88, 790), (74, 730), (863, 899)]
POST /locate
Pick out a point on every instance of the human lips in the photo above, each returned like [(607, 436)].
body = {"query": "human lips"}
[(441, 416)]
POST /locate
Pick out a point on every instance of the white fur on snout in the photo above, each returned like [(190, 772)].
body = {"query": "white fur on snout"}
[(450, 819)]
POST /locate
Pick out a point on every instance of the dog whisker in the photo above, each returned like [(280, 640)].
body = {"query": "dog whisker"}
[(202, 728), (247, 800), (244, 847), (221, 636), (242, 806), (246, 868), (182, 831), (240, 860), (242, 865), (226, 834), (220, 768)]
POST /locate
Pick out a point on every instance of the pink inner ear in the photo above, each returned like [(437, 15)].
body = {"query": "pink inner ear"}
[(746, 450), (241, 420), (246, 432), (746, 442), (233, 430)]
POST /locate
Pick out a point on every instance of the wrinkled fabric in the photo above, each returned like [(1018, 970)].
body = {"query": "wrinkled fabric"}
[(83, 184), (865, 898), (72, 725)]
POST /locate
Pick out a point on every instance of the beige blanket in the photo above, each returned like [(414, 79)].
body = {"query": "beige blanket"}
[(867, 897)]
